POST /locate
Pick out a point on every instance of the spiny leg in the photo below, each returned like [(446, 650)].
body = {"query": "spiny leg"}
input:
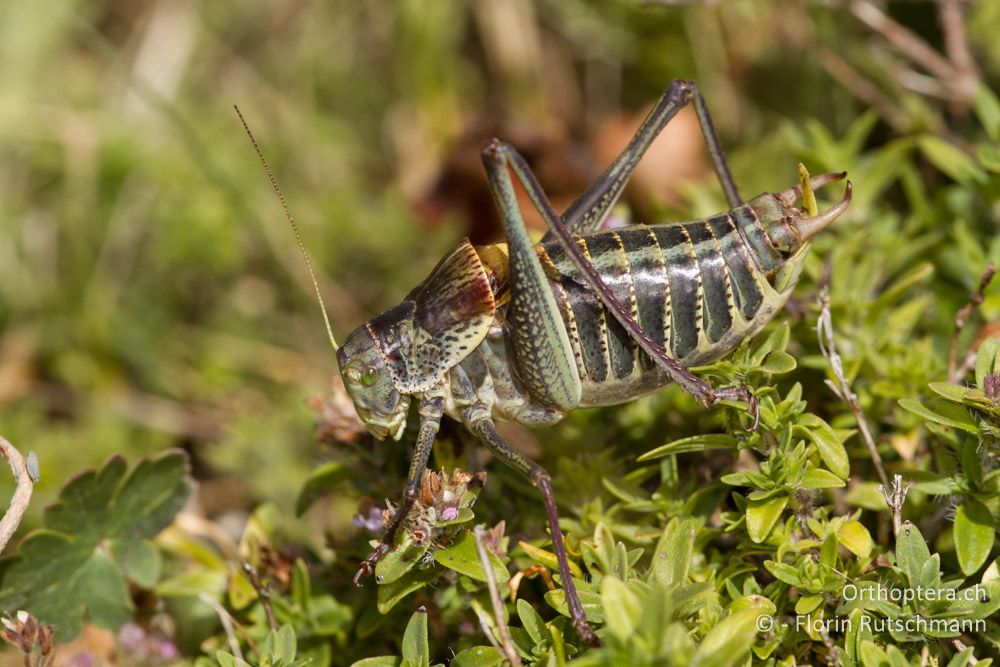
[(543, 353), (430, 421), (588, 212), (505, 155), (486, 430)]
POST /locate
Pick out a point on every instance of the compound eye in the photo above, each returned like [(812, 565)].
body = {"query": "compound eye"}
[(369, 376)]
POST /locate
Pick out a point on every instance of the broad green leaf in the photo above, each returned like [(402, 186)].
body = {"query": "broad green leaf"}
[(416, 649), (911, 551), (808, 603), (728, 643), (622, 607), (785, 572), (857, 539), (695, 443), (818, 478), (777, 341), (95, 533), (532, 622), (401, 559), (390, 595), (873, 656), (478, 656), (941, 412), (778, 362), (974, 535), (762, 515), (139, 560), (463, 557), (956, 393), (321, 481), (281, 644), (672, 556), (831, 449)]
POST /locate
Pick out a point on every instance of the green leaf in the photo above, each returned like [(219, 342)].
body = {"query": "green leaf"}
[(728, 643), (401, 559), (672, 557), (974, 535), (622, 607), (379, 661), (942, 412), (831, 449), (94, 534), (762, 515), (857, 539), (590, 601), (953, 392), (463, 557), (949, 159), (986, 359), (416, 650), (778, 362), (911, 551), (961, 659), (391, 594), (988, 110), (808, 603), (785, 572), (695, 443), (281, 644), (139, 559), (532, 622), (478, 656), (777, 341), (988, 155), (320, 482), (873, 656), (817, 478)]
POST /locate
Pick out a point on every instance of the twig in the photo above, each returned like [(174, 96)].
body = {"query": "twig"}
[(864, 90), (895, 496), (956, 44), (507, 644), (22, 494), (824, 329), (956, 372), (263, 593), (957, 73), (907, 42), (227, 624)]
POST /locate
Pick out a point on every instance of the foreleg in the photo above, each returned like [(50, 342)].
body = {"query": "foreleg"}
[(431, 410)]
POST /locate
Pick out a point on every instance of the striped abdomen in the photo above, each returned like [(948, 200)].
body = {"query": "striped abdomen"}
[(697, 288)]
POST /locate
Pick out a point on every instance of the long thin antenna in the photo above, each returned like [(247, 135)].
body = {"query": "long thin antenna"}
[(291, 221)]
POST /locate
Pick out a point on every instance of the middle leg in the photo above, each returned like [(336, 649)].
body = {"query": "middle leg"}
[(486, 430)]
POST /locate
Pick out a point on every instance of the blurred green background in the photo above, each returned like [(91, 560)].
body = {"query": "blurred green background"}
[(152, 295)]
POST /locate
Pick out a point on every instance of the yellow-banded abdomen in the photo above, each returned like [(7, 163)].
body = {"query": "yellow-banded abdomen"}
[(698, 288)]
